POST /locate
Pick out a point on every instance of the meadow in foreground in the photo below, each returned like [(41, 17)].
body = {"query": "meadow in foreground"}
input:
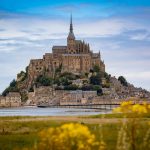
[(127, 130)]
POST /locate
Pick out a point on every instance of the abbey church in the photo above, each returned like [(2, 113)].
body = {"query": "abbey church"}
[(75, 57)]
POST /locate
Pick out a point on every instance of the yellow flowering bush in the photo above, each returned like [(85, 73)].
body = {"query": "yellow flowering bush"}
[(130, 107), (67, 137)]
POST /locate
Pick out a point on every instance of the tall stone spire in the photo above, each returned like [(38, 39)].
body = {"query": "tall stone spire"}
[(71, 25), (71, 34)]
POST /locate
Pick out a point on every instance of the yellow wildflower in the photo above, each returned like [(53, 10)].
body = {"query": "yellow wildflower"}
[(129, 107), (139, 109), (117, 110), (66, 137), (126, 103)]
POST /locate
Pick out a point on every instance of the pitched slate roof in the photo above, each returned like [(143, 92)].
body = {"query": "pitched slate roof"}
[(59, 47)]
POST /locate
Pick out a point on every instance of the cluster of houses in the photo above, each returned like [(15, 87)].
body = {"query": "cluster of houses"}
[(48, 96), (78, 97)]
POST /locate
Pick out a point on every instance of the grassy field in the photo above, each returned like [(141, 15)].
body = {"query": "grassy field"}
[(19, 132)]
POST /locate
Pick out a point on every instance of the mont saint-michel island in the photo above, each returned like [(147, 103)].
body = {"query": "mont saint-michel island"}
[(72, 75)]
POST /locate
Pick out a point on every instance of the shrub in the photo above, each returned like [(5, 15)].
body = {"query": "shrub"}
[(107, 76), (67, 137), (123, 81), (95, 79), (87, 87), (44, 80), (106, 85), (22, 75), (68, 75), (64, 81), (98, 88), (96, 68), (13, 83), (71, 87)]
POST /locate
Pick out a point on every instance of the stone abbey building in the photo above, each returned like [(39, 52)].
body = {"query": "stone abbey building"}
[(75, 57)]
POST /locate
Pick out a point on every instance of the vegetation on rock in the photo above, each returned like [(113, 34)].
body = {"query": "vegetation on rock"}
[(71, 87), (12, 88), (44, 81), (22, 76), (123, 81), (95, 79)]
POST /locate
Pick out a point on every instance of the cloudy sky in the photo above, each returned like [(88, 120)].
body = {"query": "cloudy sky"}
[(120, 29)]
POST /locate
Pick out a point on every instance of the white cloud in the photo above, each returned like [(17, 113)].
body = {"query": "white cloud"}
[(51, 28), (140, 36), (139, 75)]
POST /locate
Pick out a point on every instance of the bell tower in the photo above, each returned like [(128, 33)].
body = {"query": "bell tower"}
[(71, 45)]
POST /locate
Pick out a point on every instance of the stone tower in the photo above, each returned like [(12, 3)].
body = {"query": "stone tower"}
[(71, 44)]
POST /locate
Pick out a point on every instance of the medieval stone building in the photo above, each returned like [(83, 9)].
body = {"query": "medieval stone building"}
[(12, 99), (76, 57)]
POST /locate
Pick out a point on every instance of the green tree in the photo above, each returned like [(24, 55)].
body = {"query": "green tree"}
[(96, 68), (12, 88), (13, 83), (123, 81), (95, 79), (98, 88), (44, 80), (27, 70), (107, 76)]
